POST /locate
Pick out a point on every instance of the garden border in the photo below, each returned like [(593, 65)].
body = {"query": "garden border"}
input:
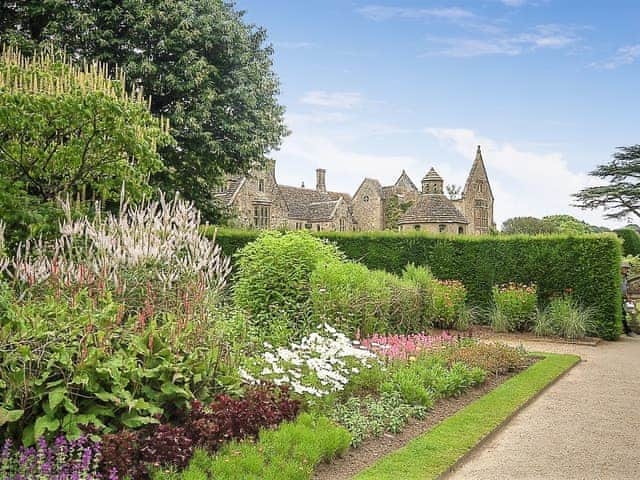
[(410, 461)]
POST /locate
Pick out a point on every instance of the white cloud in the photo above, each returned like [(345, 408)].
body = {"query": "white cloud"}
[(541, 37), (380, 13), (311, 146), (624, 56), (321, 98), (525, 183)]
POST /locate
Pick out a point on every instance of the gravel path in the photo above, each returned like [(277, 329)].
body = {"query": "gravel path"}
[(586, 426)]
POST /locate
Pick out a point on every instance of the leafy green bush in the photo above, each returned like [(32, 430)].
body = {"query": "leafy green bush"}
[(448, 302), (274, 272), (569, 319), (290, 452), (77, 361), (372, 417), (630, 241), (588, 264), (355, 299), (517, 303)]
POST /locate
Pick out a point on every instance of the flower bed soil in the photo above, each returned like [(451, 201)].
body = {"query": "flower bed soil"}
[(357, 459)]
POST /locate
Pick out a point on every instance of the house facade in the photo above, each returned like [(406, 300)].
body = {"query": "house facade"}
[(256, 200)]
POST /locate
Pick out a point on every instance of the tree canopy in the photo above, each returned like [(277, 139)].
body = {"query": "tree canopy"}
[(205, 69), (66, 128), (620, 197), (549, 224), (526, 225)]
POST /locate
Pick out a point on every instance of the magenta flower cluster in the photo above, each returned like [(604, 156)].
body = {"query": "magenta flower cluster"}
[(404, 347), (61, 460)]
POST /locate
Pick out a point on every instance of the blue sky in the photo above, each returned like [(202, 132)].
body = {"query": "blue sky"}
[(549, 88)]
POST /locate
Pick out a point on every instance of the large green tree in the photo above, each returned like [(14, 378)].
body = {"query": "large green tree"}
[(526, 225), (620, 197), (205, 68)]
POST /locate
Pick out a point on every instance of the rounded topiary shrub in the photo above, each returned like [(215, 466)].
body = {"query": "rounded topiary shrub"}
[(630, 241), (273, 274)]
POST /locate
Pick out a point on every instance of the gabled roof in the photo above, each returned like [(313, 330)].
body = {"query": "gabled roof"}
[(233, 186), (376, 184), (433, 208), (406, 180), (311, 205), (477, 170)]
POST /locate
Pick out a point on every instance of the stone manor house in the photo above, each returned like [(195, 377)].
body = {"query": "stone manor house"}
[(256, 200)]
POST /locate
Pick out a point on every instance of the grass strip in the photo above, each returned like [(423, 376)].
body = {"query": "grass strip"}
[(433, 453)]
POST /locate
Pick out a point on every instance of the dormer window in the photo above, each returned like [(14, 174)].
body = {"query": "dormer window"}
[(365, 198)]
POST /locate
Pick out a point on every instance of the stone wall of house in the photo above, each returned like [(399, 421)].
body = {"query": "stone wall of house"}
[(367, 206), (477, 206), (452, 228), (260, 189)]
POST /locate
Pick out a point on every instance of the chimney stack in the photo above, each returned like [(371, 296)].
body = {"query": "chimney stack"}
[(321, 175)]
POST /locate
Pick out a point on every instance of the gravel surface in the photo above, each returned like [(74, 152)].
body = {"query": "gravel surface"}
[(586, 426)]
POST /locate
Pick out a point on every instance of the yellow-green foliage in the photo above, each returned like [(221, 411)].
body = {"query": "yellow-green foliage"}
[(75, 129)]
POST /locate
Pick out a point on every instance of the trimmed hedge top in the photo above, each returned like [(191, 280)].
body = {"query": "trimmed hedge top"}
[(588, 266)]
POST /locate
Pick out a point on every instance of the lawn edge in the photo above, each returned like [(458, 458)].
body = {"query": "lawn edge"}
[(487, 436), (510, 417)]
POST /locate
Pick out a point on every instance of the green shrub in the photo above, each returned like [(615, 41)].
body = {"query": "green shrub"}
[(73, 362), (356, 299), (630, 241), (588, 264), (517, 303), (447, 303), (290, 452), (569, 319), (274, 272)]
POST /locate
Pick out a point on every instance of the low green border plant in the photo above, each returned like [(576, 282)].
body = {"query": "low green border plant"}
[(433, 453)]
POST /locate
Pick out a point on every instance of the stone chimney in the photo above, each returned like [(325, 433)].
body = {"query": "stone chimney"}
[(321, 176)]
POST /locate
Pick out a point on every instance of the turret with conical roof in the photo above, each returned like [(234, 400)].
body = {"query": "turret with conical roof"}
[(432, 182)]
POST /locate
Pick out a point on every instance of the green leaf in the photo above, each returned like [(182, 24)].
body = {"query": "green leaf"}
[(56, 397), (137, 421), (45, 424), (9, 416)]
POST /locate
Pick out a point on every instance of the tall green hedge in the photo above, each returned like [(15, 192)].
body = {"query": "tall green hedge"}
[(631, 241), (587, 264)]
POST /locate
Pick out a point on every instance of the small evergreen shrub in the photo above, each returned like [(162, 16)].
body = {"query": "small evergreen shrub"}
[(630, 241), (273, 277), (517, 303)]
